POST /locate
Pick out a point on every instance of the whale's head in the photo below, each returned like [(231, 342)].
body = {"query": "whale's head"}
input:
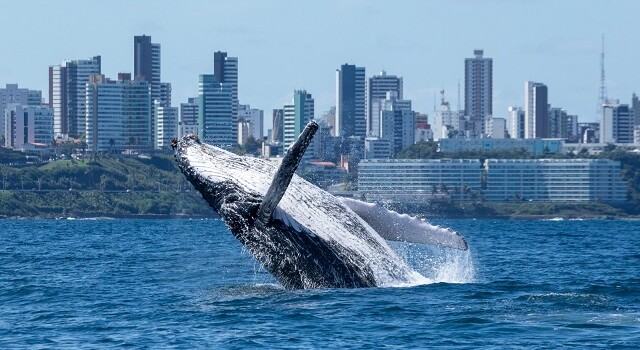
[(228, 182)]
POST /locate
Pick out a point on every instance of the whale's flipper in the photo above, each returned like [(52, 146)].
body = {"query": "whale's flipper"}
[(284, 174), (401, 227)]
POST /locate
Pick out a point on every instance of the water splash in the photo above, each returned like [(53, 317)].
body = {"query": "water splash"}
[(438, 264)]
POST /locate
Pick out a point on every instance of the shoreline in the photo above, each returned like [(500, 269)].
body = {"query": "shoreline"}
[(423, 215)]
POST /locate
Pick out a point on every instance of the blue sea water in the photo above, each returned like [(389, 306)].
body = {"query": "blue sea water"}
[(188, 284)]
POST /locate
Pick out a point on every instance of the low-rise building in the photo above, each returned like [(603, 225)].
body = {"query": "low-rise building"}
[(562, 180), (27, 125), (554, 180), (377, 148), (418, 180)]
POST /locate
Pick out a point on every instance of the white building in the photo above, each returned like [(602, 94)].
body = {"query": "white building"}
[(478, 91), (516, 122), (12, 94), (377, 88), (496, 128), (409, 180), (67, 94), (244, 131), (617, 123), (447, 123), (188, 120), (167, 126), (636, 134), (27, 125), (217, 123), (536, 109), (118, 114), (254, 120), (554, 180), (377, 148)]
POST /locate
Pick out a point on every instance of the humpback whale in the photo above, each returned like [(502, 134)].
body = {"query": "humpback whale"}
[(302, 235)]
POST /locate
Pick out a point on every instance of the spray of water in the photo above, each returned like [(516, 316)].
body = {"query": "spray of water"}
[(438, 264)]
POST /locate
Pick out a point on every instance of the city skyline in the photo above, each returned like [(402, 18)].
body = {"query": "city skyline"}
[(428, 54)]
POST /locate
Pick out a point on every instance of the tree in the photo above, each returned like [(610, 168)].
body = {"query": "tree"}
[(252, 146), (420, 150)]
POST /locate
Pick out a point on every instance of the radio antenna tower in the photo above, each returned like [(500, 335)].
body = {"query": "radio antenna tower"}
[(602, 97)]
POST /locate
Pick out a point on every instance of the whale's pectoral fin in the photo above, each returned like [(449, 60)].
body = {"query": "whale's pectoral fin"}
[(284, 174), (398, 227)]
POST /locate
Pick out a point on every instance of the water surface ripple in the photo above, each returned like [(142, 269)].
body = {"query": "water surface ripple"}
[(188, 284)]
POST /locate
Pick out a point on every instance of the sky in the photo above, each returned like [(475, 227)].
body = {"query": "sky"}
[(284, 46)]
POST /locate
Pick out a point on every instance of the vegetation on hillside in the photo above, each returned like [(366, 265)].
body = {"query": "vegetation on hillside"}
[(107, 186)]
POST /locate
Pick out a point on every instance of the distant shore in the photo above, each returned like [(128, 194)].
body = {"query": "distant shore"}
[(166, 205)]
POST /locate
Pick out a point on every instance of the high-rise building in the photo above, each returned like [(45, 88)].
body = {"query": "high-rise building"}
[(635, 105), (617, 123), (255, 119), (536, 110), (67, 94), (297, 115), (217, 124), (447, 123), (557, 122), (516, 122), (377, 88), (278, 126), (589, 132), (147, 67), (571, 128), (165, 94), (146, 63), (118, 114), (350, 102), (167, 125), (478, 91), (25, 124), (225, 69), (12, 94), (397, 122), (188, 121)]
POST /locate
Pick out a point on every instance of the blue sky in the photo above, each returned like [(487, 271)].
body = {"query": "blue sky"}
[(287, 45)]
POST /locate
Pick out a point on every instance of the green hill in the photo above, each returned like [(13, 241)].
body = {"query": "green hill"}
[(107, 186)]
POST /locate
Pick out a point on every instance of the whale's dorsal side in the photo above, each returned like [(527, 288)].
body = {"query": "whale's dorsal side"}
[(285, 172)]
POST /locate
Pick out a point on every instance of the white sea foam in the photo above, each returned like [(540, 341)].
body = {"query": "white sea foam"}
[(437, 264)]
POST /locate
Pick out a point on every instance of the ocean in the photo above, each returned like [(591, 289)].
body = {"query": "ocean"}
[(189, 284)]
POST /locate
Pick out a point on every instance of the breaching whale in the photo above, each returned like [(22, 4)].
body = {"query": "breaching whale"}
[(304, 236)]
